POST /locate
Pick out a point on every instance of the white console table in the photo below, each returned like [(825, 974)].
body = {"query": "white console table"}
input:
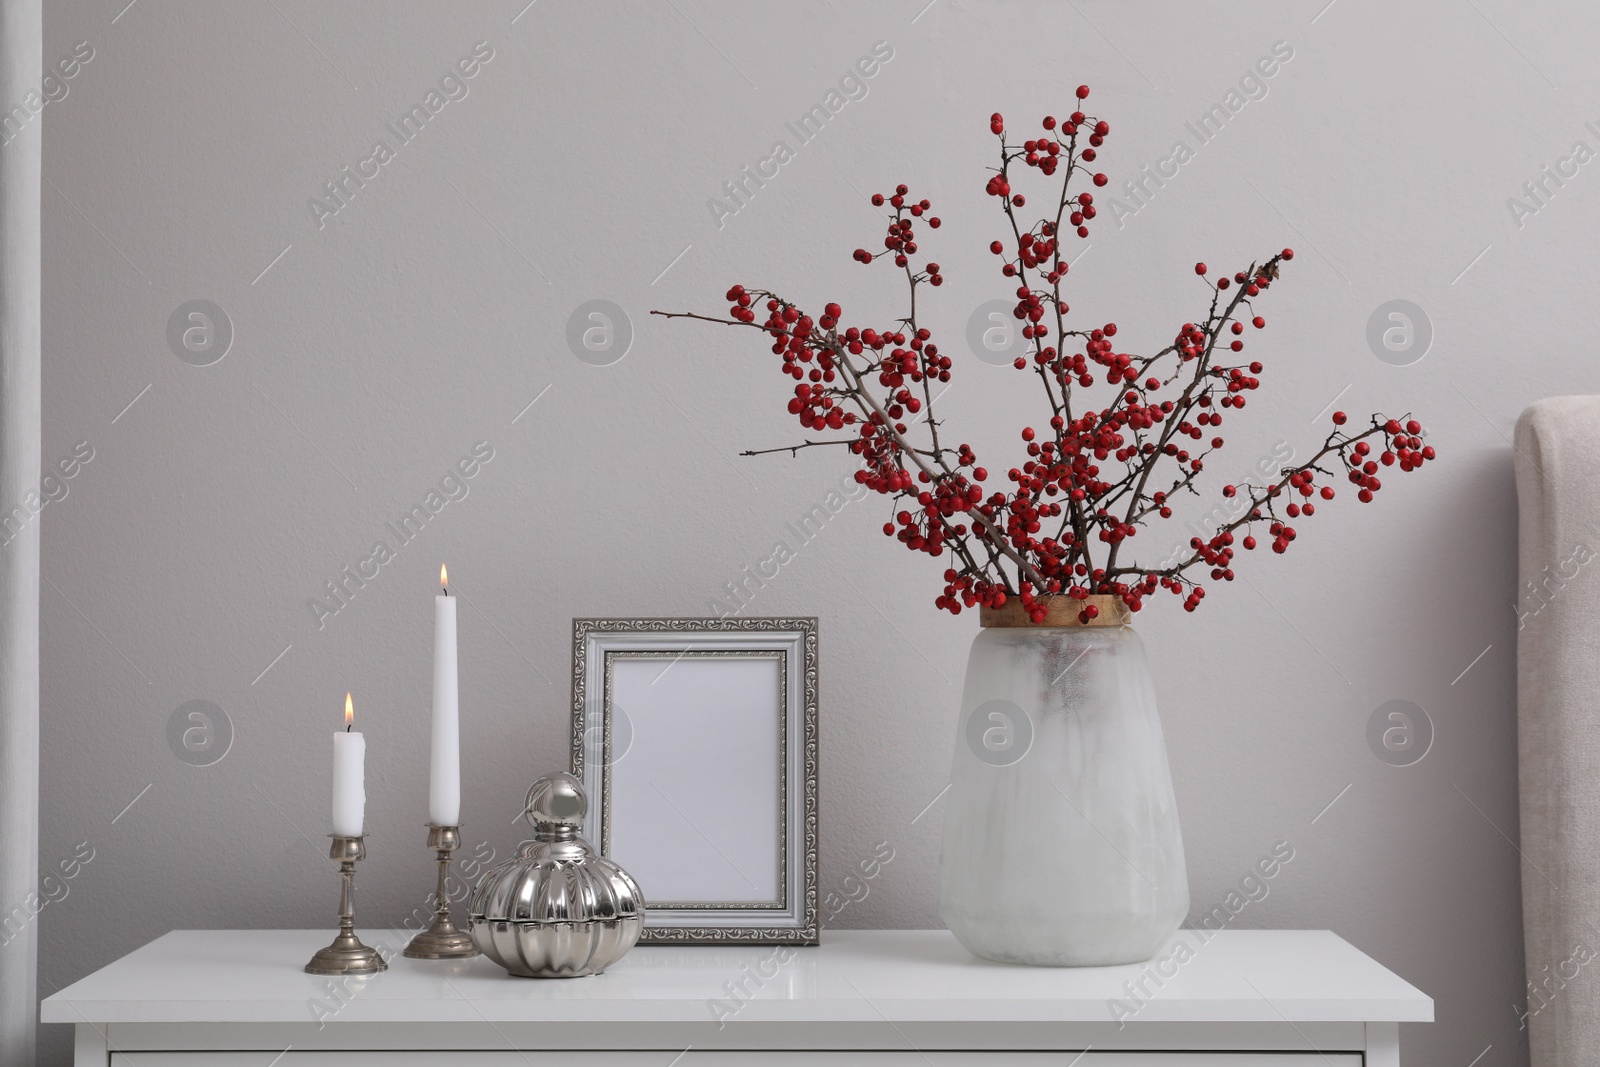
[(882, 998)]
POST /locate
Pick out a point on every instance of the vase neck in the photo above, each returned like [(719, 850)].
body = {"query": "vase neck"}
[(1060, 611)]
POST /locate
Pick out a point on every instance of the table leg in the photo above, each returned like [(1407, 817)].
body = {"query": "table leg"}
[(1383, 1045), (90, 1048)]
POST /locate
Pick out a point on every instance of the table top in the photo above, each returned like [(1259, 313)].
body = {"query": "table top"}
[(255, 976)]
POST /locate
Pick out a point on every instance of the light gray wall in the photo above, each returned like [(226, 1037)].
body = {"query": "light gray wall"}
[(370, 354)]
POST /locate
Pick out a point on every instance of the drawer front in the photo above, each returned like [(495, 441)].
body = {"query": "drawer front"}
[(694, 1058)]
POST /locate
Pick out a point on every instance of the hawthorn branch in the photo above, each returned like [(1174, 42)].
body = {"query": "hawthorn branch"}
[(794, 450), (1259, 497), (859, 392), (886, 426), (1189, 399)]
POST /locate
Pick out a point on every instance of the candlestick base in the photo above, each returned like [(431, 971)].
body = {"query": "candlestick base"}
[(443, 940), (347, 955)]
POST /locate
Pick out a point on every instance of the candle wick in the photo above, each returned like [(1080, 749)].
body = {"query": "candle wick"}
[(346, 727), (446, 590)]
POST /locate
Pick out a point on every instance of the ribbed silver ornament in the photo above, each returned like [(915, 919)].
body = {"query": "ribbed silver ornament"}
[(558, 909)]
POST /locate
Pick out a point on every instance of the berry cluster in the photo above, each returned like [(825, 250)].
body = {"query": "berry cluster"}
[(901, 239), (1127, 433)]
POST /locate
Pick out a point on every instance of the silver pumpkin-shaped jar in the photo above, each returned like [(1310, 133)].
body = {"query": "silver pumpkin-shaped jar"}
[(558, 909)]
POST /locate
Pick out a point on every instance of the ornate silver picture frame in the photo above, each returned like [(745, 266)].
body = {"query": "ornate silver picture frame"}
[(696, 742)]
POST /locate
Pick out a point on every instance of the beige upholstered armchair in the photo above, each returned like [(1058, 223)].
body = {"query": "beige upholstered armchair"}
[(1558, 724)]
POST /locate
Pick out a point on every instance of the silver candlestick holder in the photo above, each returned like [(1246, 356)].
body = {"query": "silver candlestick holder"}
[(443, 940), (347, 955)]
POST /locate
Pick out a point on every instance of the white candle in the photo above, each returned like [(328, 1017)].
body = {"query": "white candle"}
[(349, 777), (444, 780)]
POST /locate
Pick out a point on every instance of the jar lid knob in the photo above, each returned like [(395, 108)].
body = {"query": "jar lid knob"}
[(556, 800)]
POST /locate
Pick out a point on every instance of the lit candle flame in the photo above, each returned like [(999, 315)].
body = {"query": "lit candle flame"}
[(444, 575), (349, 711)]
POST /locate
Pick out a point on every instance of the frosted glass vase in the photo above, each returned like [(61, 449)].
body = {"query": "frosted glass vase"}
[(1061, 840)]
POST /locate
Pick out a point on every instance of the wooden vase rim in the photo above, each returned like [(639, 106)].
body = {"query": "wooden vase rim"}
[(1059, 611)]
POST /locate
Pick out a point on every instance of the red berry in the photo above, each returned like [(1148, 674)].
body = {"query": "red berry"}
[(1200, 268), (1083, 92)]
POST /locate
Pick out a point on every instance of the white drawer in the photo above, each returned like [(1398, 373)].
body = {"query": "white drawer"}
[(694, 1058)]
